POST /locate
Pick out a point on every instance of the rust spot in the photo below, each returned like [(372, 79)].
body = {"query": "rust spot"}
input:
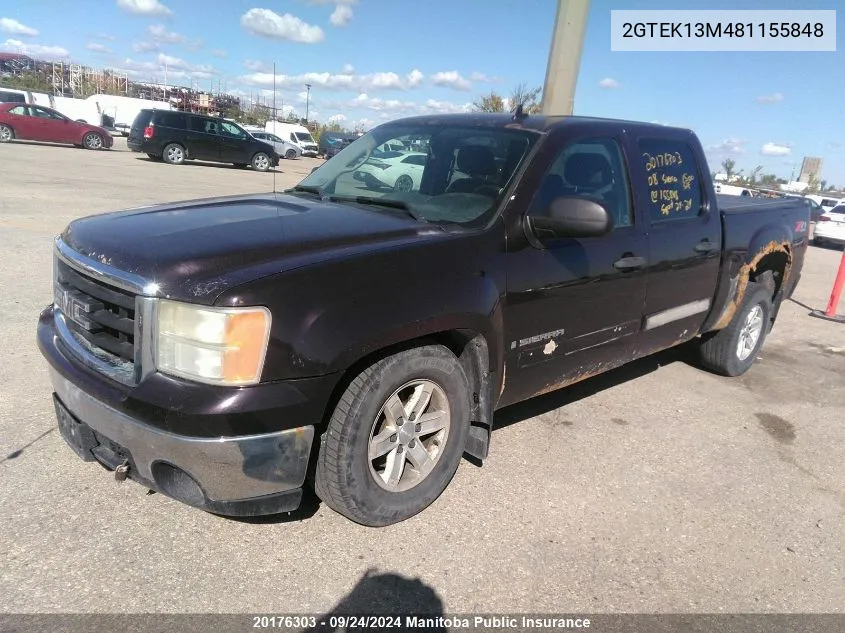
[(578, 377), (744, 276)]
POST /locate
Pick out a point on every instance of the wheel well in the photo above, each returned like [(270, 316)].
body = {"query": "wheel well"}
[(771, 270), (471, 350)]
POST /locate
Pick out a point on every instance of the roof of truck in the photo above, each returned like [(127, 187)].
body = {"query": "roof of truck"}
[(537, 122)]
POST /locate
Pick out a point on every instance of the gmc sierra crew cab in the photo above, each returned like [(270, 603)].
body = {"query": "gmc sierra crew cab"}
[(233, 352)]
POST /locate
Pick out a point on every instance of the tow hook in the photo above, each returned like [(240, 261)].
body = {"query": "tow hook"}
[(121, 471)]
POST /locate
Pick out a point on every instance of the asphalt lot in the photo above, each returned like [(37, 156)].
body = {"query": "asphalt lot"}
[(655, 488)]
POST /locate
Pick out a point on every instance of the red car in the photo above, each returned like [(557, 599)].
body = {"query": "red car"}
[(37, 123)]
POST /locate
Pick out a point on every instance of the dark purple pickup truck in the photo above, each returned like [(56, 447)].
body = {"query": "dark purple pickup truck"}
[(356, 340)]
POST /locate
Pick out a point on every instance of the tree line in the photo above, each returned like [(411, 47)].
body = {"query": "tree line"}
[(767, 181)]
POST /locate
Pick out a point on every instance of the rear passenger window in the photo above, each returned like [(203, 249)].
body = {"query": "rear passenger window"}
[(207, 126), (673, 180), (171, 119), (21, 110)]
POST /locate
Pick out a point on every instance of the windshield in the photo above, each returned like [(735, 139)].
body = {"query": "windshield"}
[(445, 173), (304, 137)]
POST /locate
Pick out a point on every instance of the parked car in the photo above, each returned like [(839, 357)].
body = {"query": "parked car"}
[(830, 229), (360, 344), (402, 172), (816, 210), (40, 123), (332, 142), (285, 149), (175, 137)]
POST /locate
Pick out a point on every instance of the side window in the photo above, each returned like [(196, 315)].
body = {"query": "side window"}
[(19, 110), (674, 181), (11, 97), (231, 130), (415, 159), (207, 126), (593, 168), (174, 120)]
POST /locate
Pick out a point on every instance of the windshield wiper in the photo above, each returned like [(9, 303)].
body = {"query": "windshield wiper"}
[(308, 189), (379, 202)]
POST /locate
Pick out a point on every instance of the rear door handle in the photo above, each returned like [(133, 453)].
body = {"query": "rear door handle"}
[(629, 263), (705, 246)]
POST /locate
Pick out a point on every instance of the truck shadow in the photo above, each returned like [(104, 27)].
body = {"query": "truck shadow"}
[(539, 405), (388, 595)]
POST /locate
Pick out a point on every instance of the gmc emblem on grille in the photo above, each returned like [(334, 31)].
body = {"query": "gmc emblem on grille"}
[(76, 306)]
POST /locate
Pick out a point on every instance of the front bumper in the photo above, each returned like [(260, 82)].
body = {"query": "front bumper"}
[(239, 476), (249, 461)]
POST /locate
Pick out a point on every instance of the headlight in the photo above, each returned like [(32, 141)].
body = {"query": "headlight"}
[(224, 346)]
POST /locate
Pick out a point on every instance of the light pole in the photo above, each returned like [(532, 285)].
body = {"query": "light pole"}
[(565, 57), (307, 100)]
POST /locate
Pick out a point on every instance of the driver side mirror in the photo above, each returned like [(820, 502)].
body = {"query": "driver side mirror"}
[(571, 216)]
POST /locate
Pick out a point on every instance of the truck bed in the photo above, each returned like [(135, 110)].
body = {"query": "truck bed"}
[(732, 205)]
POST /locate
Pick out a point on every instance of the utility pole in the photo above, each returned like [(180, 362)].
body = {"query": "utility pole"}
[(565, 57), (307, 100)]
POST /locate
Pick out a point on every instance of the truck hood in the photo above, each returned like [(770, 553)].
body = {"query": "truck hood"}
[(196, 249)]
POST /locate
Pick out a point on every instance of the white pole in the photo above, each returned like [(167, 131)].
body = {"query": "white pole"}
[(565, 57)]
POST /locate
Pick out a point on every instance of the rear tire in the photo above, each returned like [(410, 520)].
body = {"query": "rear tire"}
[(261, 162), (7, 134), (173, 154), (290, 154), (732, 350), (417, 402)]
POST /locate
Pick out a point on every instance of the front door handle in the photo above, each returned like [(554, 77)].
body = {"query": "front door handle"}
[(629, 263), (705, 246)]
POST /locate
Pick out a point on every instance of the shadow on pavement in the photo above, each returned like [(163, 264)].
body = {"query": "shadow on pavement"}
[(388, 596)]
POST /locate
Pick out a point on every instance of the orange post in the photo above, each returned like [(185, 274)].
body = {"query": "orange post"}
[(835, 295)]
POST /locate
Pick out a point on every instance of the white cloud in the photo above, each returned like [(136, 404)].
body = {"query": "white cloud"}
[(341, 15), (329, 81), (181, 64), (98, 48), (775, 149), (145, 47), (195, 45), (348, 69), (219, 52), (733, 146), (336, 118), (451, 79), (267, 23), (35, 50), (144, 7), (255, 65), (160, 34), (396, 107), (610, 83), (482, 78), (13, 27), (415, 78), (772, 98), (107, 36)]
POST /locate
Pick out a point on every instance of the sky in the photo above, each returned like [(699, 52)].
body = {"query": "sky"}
[(369, 61)]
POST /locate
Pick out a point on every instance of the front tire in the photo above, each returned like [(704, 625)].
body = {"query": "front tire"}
[(396, 437), (7, 134), (173, 154), (92, 140), (261, 162), (290, 154), (732, 350)]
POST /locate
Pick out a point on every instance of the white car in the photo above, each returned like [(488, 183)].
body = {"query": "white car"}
[(283, 148), (401, 172), (831, 226)]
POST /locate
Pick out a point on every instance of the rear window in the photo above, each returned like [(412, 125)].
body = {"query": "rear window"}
[(164, 118), (142, 120), (673, 180)]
